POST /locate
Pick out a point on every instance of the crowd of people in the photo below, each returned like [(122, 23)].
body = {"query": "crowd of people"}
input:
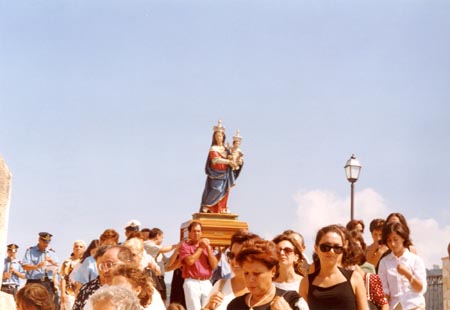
[(252, 273)]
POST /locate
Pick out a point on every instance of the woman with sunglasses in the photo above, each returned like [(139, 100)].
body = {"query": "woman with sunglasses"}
[(226, 290), (290, 271), (330, 286)]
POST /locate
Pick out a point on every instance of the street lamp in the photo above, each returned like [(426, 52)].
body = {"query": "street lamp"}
[(352, 169)]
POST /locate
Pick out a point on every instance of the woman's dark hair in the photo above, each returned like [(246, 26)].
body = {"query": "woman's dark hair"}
[(401, 218), (316, 262), (354, 248), (341, 231), (353, 223), (376, 224), (259, 250), (298, 265), (355, 252), (356, 255), (93, 245), (243, 236), (399, 229), (356, 236)]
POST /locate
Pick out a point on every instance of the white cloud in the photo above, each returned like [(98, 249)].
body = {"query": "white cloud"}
[(319, 208), (430, 240)]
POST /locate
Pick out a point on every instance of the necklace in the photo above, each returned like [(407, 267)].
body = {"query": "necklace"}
[(261, 301)]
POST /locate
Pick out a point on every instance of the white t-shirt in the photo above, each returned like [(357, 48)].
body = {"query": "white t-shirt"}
[(157, 302), (288, 286)]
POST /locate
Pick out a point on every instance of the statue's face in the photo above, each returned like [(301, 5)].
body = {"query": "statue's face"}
[(219, 137)]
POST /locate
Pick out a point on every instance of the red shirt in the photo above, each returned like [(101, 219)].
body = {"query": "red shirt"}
[(198, 270)]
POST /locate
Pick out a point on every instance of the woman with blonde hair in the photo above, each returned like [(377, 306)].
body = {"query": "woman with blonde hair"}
[(138, 281), (34, 296)]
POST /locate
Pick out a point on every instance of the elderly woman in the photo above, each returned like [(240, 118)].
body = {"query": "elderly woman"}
[(137, 280), (259, 262), (402, 272), (330, 286), (67, 287), (226, 290)]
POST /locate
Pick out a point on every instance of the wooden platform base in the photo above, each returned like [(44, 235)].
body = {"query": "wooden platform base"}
[(217, 227)]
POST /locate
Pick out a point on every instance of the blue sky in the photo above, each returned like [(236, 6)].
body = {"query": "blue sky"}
[(107, 108)]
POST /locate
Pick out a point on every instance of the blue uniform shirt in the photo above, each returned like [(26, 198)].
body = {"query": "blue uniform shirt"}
[(33, 256), (86, 272), (14, 279)]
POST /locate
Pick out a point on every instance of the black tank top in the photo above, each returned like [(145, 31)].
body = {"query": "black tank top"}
[(336, 297)]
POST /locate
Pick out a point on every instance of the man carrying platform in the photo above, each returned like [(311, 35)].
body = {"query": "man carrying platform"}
[(198, 261)]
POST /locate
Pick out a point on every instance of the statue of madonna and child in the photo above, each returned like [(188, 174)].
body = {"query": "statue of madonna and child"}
[(223, 166)]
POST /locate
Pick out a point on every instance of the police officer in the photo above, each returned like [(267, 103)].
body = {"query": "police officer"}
[(41, 265), (12, 272)]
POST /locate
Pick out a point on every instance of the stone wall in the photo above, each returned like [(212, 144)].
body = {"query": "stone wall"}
[(5, 191), (446, 281)]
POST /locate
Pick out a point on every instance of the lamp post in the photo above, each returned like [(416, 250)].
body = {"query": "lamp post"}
[(352, 169)]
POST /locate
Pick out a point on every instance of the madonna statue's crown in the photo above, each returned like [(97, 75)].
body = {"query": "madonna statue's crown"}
[(219, 127)]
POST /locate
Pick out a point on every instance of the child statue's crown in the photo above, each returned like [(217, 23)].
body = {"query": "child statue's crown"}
[(238, 136)]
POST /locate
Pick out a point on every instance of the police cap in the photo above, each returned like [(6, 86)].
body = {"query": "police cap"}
[(12, 247), (45, 236)]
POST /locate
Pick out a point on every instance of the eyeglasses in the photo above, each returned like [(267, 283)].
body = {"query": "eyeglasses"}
[(107, 266), (231, 255), (286, 251), (327, 248)]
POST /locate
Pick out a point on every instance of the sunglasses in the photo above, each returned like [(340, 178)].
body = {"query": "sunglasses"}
[(327, 248), (286, 251)]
